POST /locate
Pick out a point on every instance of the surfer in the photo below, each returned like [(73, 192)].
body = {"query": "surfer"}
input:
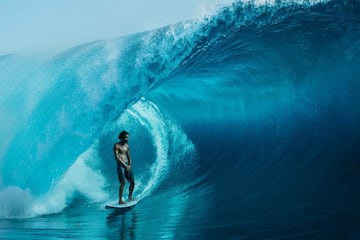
[(122, 156)]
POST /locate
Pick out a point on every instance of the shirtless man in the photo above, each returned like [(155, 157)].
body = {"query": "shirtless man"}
[(123, 160)]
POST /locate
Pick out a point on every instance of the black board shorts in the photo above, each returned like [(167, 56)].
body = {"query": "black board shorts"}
[(122, 174)]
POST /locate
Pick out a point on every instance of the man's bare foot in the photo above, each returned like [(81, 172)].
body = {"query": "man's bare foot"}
[(130, 199), (121, 202)]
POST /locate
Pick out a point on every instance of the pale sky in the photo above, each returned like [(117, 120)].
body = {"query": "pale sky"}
[(40, 25)]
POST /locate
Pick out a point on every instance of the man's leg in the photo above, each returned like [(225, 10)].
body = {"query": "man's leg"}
[(122, 183), (129, 176), (131, 189), (121, 190)]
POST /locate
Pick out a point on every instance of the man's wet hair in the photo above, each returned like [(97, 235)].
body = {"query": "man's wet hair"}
[(123, 134)]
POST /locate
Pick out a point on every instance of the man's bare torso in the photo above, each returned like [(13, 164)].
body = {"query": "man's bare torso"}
[(122, 152)]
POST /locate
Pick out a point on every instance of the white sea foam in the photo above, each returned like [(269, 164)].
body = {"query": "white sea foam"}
[(78, 179), (164, 133)]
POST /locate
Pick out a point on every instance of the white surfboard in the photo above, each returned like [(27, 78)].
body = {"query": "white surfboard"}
[(116, 205)]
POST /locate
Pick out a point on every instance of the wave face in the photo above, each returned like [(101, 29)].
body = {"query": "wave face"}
[(252, 113)]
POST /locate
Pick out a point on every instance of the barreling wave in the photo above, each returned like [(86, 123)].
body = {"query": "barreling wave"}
[(88, 175), (68, 98), (256, 104)]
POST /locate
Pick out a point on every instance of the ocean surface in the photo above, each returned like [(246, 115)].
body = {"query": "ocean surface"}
[(244, 124)]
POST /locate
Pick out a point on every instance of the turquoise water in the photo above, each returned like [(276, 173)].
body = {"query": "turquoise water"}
[(243, 125), (91, 221)]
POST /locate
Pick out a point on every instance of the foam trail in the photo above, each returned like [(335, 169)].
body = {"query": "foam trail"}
[(163, 133), (78, 179), (158, 131), (14, 202)]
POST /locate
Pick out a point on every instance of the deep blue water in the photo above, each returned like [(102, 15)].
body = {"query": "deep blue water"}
[(243, 125)]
